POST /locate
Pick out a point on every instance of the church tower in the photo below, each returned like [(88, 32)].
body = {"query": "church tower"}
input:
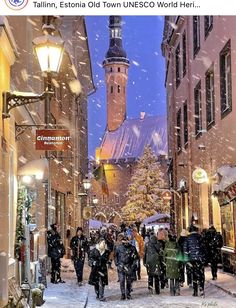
[(116, 67)]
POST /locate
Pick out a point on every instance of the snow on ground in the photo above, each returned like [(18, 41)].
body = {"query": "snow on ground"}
[(69, 295)]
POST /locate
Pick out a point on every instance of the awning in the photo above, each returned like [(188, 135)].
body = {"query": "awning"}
[(227, 177), (37, 167), (95, 224)]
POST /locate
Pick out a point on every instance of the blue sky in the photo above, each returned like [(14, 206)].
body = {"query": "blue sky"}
[(142, 36)]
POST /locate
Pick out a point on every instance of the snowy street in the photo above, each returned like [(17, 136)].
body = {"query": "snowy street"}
[(69, 295)]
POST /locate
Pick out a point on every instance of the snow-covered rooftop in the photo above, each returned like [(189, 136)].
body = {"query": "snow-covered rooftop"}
[(130, 139)]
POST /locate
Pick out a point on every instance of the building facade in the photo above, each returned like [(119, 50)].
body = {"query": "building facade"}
[(63, 170), (200, 74)]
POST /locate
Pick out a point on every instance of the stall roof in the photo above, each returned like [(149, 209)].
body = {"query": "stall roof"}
[(155, 218)]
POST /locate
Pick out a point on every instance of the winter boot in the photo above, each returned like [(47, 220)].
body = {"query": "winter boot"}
[(195, 289)]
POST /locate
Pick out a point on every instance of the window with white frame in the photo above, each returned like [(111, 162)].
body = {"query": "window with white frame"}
[(178, 124), (185, 118), (210, 98), (177, 65), (198, 109), (184, 53), (225, 79), (196, 34), (208, 24)]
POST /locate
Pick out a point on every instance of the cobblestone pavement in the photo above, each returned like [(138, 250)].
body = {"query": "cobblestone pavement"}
[(69, 295), (141, 298)]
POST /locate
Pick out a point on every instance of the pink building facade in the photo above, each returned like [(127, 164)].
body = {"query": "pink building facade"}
[(200, 77)]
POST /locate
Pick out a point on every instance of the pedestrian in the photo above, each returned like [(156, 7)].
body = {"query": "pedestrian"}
[(56, 250), (162, 238), (172, 264), (98, 259), (79, 247), (118, 242), (194, 249), (153, 255), (139, 245), (214, 243), (110, 246), (125, 259), (143, 232), (183, 261)]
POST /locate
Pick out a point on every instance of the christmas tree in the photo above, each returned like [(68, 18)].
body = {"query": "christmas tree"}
[(145, 189)]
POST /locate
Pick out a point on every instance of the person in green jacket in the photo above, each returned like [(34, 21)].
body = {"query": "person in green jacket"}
[(172, 264)]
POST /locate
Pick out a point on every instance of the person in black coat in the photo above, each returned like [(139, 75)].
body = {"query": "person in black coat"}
[(214, 243), (56, 250), (79, 247), (194, 250), (183, 263), (98, 259), (126, 257), (153, 255)]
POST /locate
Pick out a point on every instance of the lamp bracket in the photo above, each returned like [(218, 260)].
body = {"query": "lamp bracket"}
[(20, 129), (17, 99)]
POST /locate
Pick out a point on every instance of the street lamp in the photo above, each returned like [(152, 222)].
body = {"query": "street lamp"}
[(95, 200), (49, 50), (86, 184)]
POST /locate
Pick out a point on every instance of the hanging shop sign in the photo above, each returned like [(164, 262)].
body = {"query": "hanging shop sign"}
[(87, 213), (53, 139), (166, 195), (199, 176)]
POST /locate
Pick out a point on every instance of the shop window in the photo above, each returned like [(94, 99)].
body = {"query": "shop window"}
[(196, 34), (117, 199), (177, 65), (185, 115), (184, 53), (225, 79), (208, 24), (178, 123), (104, 199), (210, 98), (198, 109), (227, 220)]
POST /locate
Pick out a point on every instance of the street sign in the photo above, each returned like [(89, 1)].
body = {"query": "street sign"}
[(53, 139), (199, 176)]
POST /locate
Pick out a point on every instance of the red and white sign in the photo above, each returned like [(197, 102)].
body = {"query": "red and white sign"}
[(53, 139), (166, 195)]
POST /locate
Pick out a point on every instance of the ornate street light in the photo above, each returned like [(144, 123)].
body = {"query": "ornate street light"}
[(49, 50), (86, 184), (95, 200)]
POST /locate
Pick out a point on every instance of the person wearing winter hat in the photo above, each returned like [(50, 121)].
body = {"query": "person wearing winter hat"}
[(79, 247), (56, 250), (98, 259), (194, 249), (126, 257), (172, 264)]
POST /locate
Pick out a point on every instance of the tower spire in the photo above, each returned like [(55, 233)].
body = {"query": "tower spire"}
[(116, 69)]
